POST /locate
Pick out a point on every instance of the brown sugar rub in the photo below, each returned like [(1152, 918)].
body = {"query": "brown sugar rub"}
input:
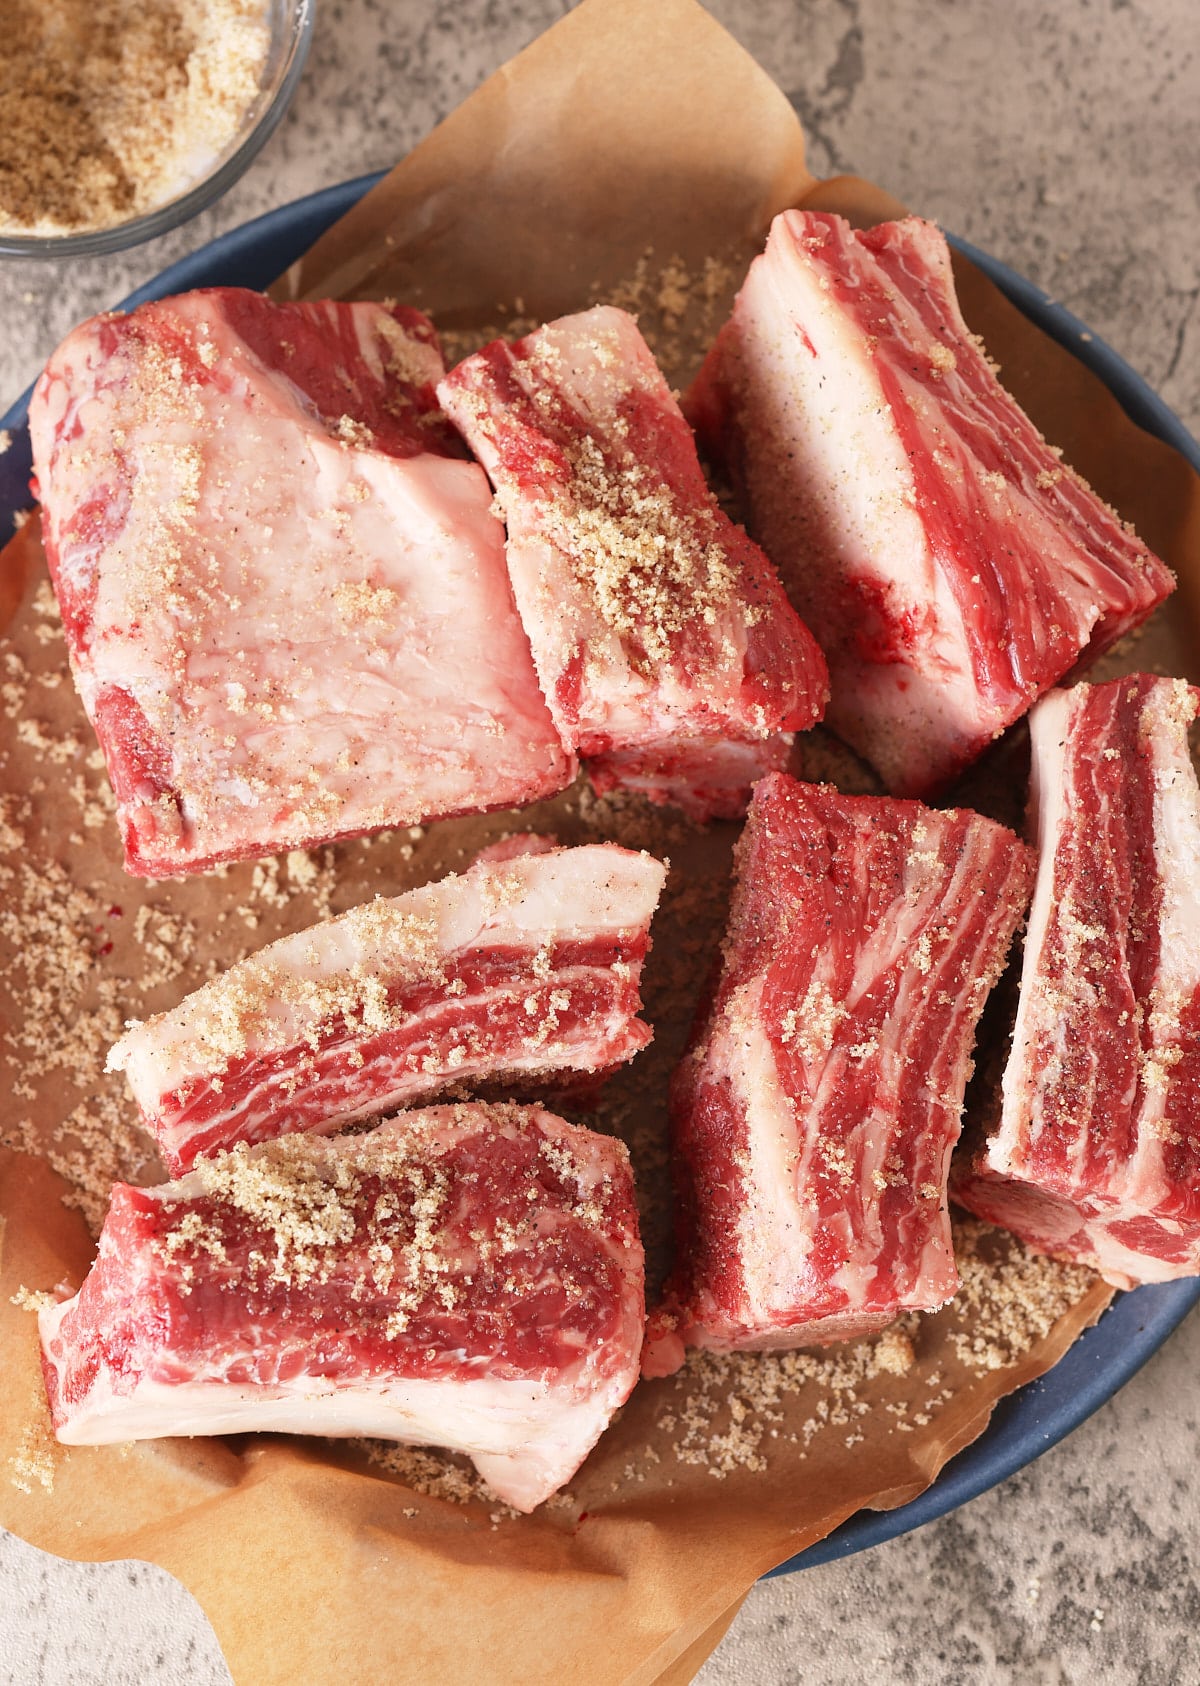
[(667, 651), (734, 1411), (109, 108)]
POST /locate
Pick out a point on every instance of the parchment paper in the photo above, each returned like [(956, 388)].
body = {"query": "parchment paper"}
[(632, 144)]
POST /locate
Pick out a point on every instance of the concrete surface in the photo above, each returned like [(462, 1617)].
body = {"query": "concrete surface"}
[(1065, 138)]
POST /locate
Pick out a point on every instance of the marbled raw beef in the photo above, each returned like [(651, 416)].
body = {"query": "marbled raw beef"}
[(951, 565), (463, 1276), (524, 967), (284, 593)]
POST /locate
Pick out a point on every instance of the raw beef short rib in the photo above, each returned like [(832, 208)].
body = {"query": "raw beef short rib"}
[(465, 1276), (1097, 1153), (815, 1109), (522, 967), (951, 566), (668, 652), (284, 593)]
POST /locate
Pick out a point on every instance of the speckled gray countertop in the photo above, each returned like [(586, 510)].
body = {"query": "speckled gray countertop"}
[(1064, 137)]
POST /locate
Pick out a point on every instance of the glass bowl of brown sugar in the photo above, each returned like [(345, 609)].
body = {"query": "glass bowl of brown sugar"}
[(120, 119)]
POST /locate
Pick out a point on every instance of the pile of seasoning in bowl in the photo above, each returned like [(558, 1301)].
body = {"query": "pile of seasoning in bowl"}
[(113, 109)]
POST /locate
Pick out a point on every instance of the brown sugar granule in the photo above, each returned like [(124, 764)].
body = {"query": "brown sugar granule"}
[(729, 1409), (651, 566), (15, 685), (229, 1014), (32, 1299), (110, 107), (56, 930), (730, 1406), (167, 941), (13, 809), (96, 1145), (65, 1011), (678, 308), (58, 748), (632, 820), (432, 1473), (310, 874), (300, 1192), (275, 883), (819, 758), (894, 1351), (309, 1198), (1010, 1298), (35, 1457), (678, 311)]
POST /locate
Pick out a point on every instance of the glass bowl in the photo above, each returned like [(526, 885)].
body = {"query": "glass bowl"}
[(290, 25)]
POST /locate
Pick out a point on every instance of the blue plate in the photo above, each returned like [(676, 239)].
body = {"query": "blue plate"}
[(1101, 1361)]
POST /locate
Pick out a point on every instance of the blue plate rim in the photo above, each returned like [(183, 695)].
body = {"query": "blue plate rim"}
[(1032, 1420)]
